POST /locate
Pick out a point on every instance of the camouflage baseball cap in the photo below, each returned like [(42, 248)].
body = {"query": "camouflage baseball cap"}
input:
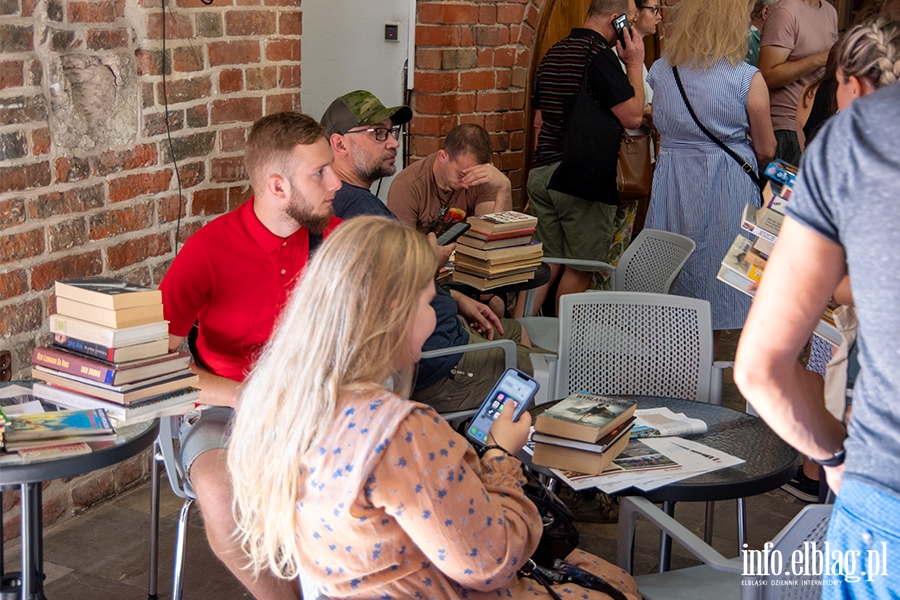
[(361, 108)]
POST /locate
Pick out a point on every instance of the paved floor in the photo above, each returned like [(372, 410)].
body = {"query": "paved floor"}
[(103, 554)]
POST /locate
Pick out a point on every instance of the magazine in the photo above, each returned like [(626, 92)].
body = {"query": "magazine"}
[(662, 422)]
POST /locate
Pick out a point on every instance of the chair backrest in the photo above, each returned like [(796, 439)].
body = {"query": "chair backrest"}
[(171, 452), (626, 343), (652, 262)]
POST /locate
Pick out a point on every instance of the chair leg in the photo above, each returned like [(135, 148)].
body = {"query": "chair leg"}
[(742, 523), (153, 572), (180, 548)]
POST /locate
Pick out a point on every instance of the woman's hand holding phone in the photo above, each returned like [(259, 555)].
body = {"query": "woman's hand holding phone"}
[(509, 435)]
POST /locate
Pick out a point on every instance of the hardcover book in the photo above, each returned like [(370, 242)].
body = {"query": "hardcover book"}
[(117, 319), (180, 401), (108, 336), (109, 373), (580, 461), (59, 424), (110, 354), (502, 221), (486, 283), (528, 251), (584, 416), (112, 294), (126, 394)]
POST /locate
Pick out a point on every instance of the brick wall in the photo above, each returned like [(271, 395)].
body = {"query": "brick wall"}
[(472, 61), (87, 185)]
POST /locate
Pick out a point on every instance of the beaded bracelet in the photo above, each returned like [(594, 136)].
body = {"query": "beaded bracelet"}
[(485, 449)]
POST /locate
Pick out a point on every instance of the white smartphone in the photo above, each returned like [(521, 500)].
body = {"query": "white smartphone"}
[(514, 386)]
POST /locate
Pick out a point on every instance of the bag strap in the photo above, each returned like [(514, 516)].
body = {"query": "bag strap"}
[(747, 167)]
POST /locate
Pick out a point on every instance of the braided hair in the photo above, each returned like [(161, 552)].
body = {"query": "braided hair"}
[(871, 51)]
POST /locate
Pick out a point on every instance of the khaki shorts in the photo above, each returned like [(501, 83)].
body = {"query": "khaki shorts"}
[(569, 227)]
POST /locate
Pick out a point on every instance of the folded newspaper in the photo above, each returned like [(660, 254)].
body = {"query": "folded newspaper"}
[(662, 422)]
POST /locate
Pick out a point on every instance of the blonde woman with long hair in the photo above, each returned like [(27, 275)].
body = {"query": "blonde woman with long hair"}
[(337, 475), (699, 190)]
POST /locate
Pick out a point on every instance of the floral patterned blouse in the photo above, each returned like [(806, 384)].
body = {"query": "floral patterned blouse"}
[(398, 505)]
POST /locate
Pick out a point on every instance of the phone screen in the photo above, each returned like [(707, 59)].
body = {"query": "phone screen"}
[(514, 386)]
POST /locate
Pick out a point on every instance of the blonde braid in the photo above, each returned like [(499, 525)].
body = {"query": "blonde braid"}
[(871, 51)]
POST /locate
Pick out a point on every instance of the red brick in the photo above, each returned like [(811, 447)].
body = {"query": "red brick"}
[(511, 160), (66, 235), (510, 13), (71, 168), (40, 141), (476, 80), (500, 142), (465, 37), (12, 74), (13, 283), (485, 57), (524, 37), (491, 35), (168, 208), (80, 265), (493, 122), (186, 90), (227, 170), (446, 13), (231, 80), (516, 177), (233, 53), (487, 15), (532, 17), (155, 123), (28, 7), (234, 110), (504, 57), (12, 212), (135, 251), (289, 76), (24, 177), (149, 62), (74, 200), (131, 470), (187, 3), (262, 78), (136, 185), (516, 140), (106, 39), (232, 140), (238, 195), (503, 79), (178, 27), (436, 82), (95, 489), (291, 3), (111, 161), (92, 12), (491, 101), (198, 116), (427, 58), (192, 174), (423, 146), (282, 103), (517, 100), (209, 202), (249, 22), (519, 76), (459, 59), (436, 126), (187, 230), (513, 121), (20, 246), (473, 119), (187, 58), (19, 318), (437, 35), (116, 222), (290, 23), (248, 2), (283, 49)]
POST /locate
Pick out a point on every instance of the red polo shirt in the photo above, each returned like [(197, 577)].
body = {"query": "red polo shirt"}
[(234, 276)]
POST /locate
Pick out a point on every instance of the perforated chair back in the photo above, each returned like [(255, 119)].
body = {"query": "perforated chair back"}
[(652, 262), (626, 343), (809, 526)]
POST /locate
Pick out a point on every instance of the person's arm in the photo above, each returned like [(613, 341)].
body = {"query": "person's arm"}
[(214, 390), (779, 72), (403, 202), (469, 516), (479, 316), (843, 294), (500, 198), (630, 113), (805, 267), (761, 132), (804, 107)]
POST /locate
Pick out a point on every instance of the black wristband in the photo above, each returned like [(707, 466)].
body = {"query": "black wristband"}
[(485, 449)]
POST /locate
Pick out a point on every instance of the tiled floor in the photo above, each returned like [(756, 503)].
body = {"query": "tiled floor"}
[(103, 554)]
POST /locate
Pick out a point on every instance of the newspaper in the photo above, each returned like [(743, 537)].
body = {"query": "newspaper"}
[(651, 463), (661, 422)]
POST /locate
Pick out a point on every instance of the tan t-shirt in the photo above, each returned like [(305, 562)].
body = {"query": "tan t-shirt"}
[(804, 30), (418, 202)]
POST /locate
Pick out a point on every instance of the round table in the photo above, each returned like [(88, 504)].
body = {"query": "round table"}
[(28, 476)]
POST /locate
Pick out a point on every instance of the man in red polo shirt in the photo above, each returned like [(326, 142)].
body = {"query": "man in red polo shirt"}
[(233, 277)]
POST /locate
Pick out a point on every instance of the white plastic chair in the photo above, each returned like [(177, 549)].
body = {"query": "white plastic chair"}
[(720, 578), (651, 263)]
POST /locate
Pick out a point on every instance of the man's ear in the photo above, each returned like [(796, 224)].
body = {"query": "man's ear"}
[(277, 186), (338, 145), (764, 13), (443, 156)]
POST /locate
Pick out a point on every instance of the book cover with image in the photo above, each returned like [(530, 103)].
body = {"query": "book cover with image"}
[(584, 416)]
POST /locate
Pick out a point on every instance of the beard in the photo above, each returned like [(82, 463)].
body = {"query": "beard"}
[(299, 211), (369, 168)]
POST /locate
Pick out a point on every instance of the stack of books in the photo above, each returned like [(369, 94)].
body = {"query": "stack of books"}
[(110, 351), (746, 260), (59, 432), (497, 251), (583, 433)]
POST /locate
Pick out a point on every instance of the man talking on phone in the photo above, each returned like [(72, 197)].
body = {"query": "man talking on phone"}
[(569, 226)]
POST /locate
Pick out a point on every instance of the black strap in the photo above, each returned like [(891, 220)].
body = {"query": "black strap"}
[(747, 167), (529, 570)]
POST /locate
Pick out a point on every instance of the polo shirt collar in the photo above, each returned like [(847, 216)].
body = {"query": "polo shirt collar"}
[(268, 241), (585, 32)]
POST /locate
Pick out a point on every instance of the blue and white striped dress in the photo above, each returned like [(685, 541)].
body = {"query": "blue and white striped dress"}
[(698, 190)]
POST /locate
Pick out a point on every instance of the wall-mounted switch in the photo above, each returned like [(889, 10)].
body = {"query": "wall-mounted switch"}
[(392, 32)]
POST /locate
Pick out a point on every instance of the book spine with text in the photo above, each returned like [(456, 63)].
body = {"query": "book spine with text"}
[(72, 364)]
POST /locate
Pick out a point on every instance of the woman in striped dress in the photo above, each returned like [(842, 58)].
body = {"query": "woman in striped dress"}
[(698, 190)]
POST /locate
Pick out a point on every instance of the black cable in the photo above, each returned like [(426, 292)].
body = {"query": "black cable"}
[(168, 129)]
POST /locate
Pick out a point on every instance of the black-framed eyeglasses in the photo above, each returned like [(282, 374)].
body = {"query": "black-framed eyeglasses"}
[(381, 133), (653, 9)]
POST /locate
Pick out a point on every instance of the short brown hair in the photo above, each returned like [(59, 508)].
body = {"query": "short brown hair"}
[(273, 138), (602, 8), (469, 139)]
